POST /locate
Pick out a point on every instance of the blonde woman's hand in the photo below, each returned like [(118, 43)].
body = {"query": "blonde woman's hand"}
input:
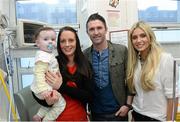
[(123, 111), (54, 79)]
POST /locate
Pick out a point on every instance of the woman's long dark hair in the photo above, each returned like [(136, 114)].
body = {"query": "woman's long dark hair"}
[(83, 66)]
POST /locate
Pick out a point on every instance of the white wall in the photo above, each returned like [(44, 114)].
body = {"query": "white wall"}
[(128, 14), (4, 7), (7, 7), (124, 16), (85, 41), (173, 48)]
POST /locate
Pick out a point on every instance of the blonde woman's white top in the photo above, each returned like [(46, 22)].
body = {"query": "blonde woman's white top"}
[(154, 103)]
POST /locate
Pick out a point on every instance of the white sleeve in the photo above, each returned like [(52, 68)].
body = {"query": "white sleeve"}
[(42, 56), (168, 75)]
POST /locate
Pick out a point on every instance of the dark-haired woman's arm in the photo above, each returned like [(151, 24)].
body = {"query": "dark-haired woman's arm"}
[(82, 92)]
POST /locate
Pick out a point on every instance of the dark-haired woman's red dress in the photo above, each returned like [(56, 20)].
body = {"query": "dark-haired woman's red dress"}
[(74, 110)]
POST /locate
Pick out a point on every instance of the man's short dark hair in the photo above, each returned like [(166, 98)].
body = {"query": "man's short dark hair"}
[(93, 17)]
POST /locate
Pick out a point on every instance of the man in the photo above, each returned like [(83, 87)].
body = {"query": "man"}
[(109, 65)]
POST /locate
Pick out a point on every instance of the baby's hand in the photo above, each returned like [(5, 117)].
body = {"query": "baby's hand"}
[(46, 94)]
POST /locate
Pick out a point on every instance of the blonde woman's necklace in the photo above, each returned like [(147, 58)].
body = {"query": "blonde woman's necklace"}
[(141, 59)]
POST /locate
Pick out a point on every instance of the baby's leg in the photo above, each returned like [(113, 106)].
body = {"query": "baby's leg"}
[(55, 110), (43, 110), (40, 114)]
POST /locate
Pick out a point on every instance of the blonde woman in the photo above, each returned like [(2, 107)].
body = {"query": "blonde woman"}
[(149, 75)]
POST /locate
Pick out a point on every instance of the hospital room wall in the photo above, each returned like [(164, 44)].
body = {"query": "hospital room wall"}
[(119, 18), (126, 13)]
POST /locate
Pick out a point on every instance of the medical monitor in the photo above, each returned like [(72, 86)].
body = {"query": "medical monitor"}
[(26, 30)]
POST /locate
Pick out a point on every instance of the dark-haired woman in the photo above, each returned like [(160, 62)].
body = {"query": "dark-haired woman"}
[(75, 77)]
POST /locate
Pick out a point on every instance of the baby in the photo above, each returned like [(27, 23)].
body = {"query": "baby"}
[(45, 60)]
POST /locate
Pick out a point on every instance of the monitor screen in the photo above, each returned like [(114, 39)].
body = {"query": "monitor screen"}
[(26, 30), (29, 31)]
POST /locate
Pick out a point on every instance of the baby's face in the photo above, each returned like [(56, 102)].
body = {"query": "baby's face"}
[(46, 40)]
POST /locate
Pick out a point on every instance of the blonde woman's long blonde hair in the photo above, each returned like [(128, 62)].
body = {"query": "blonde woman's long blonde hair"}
[(151, 62)]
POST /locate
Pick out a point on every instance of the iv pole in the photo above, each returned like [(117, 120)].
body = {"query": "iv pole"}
[(174, 91)]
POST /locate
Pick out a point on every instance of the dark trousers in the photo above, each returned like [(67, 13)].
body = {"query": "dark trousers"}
[(107, 117), (140, 117)]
